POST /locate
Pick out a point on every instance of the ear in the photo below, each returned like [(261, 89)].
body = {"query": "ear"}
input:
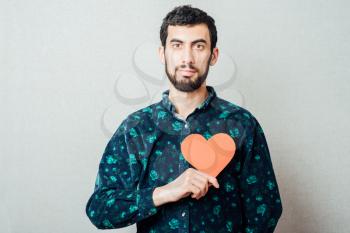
[(214, 56), (161, 54)]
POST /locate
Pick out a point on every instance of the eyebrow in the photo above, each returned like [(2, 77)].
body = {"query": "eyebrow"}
[(193, 42)]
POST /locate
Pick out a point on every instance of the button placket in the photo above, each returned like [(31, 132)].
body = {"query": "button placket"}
[(185, 218)]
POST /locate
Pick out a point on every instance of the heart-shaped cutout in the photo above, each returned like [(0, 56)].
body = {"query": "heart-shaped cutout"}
[(209, 156)]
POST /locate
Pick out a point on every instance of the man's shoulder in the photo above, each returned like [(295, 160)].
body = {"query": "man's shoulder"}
[(230, 110), (146, 111), (237, 116), (141, 115)]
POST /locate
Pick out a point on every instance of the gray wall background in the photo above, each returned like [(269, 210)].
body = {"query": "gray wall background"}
[(286, 61)]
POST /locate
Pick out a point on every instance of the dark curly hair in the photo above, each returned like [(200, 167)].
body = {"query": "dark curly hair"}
[(187, 15)]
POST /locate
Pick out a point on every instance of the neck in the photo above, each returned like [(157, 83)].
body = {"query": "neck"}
[(186, 102)]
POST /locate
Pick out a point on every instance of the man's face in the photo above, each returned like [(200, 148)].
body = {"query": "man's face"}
[(187, 56)]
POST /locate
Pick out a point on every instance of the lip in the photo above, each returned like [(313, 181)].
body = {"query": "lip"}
[(193, 71), (188, 72)]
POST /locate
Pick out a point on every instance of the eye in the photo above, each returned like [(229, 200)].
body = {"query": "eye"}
[(199, 46), (176, 45)]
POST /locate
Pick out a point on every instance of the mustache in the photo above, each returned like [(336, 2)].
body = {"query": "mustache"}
[(189, 66)]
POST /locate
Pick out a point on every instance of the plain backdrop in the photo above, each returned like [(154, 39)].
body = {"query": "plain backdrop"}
[(70, 71)]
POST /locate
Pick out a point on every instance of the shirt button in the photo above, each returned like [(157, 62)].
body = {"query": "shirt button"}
[(183, 214), (186, 126)]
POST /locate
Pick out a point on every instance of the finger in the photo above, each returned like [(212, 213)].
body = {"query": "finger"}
[(195, 191), (200, 185), (214, 182), (205, 182), (211, 179), (206, 187), (200, 177)]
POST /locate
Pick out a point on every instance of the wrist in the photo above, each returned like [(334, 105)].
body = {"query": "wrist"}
[(159, 196)]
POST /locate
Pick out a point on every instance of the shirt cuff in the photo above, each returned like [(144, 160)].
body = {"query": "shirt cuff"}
[(145, 202)]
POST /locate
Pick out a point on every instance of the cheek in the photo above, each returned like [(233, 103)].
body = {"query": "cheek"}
[(202, 63), (201, 59), (172, 60)]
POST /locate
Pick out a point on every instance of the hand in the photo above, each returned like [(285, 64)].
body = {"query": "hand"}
[(189, 182)]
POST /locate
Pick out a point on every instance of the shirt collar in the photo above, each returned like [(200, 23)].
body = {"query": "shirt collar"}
[(169, 105)]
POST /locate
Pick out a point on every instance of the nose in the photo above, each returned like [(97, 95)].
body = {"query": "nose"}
[(187, 56)]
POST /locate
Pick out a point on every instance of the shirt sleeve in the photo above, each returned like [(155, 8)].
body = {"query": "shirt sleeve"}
[(117, 201), (260, 196)]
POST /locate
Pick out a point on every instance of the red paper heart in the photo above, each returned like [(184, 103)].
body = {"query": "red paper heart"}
[(210, 156)]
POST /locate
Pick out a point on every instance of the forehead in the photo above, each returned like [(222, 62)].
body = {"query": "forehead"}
[(189, 32)]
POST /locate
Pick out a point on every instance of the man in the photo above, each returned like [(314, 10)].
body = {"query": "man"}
[(143, 177)]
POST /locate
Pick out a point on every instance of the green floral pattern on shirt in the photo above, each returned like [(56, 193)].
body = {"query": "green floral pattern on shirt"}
[(144, 153)]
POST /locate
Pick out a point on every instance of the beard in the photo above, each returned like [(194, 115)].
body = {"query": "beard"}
[(187, 85)]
